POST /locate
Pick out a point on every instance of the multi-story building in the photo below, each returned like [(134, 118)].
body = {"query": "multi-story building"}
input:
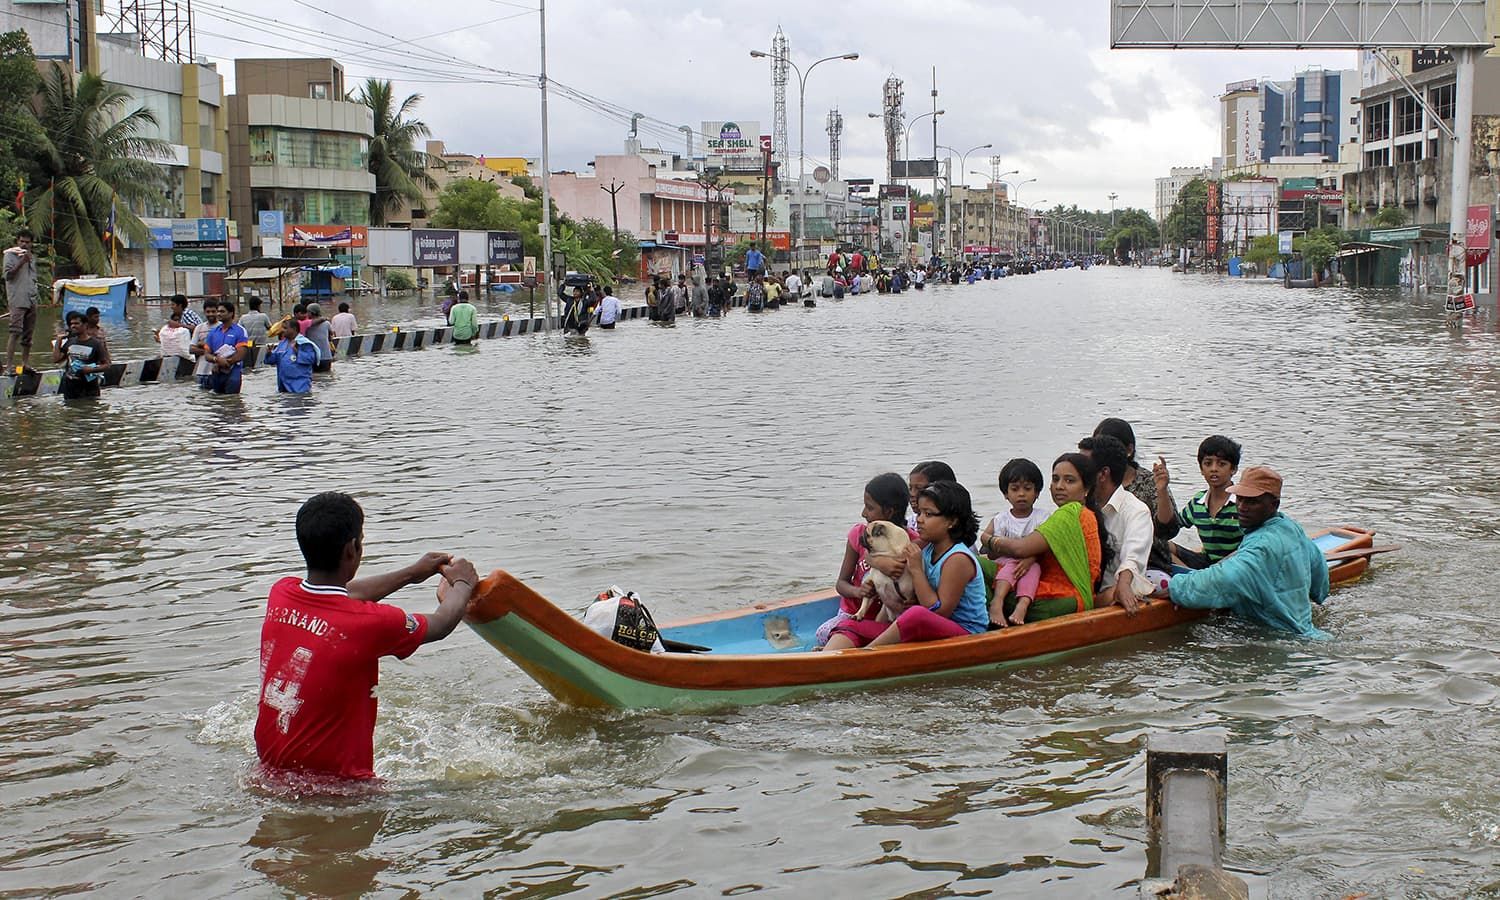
[(1307, 116), (187, 101), (1240, 116), (983, 217), (1407, 163), (59, 32), (1170, 185), (297, 148)]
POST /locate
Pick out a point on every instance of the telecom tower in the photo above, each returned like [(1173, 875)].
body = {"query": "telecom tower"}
[(835, 131), (163, 28), (781, 54), (894, 123)]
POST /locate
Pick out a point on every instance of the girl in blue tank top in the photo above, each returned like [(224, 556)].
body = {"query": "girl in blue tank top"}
[(950, 595)]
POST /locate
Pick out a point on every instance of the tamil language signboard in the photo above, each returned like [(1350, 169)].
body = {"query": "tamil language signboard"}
[(504, 248), (434, 247), (1480, 229), (1297, 24), (732, 140)]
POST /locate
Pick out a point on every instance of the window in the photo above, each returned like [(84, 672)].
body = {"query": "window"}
[(316, 207), (1378, 121), (1408, 115), (1374, 159), (318, 90), (206, 132), (1441, 101), (304, 149), (165, 108), (1409, 152)]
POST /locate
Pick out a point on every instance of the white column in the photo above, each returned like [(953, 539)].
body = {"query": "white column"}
[(1458, 197)]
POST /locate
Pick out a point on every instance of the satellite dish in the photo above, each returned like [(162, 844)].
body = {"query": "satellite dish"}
[(821, 175)]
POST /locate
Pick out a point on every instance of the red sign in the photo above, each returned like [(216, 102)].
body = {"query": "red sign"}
[(325, 236), (1480, 227), (765, 143), (1211, 236)]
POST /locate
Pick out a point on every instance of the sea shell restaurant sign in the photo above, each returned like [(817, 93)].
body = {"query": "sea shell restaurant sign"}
[(736, 140)]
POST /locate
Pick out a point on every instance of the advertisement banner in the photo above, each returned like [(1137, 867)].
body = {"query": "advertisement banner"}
[(1481, 226), (505, 248), (1284, 243), (434, 247), (733, 140), (325, 236), (1212, 221)]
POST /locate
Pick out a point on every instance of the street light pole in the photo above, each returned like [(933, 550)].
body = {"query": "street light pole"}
[(963, 221), (546, 181), (801, 143)]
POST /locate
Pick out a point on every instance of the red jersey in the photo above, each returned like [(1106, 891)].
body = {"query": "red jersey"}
[(319, 663)]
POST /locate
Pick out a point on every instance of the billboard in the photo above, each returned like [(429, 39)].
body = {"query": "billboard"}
[(732, 140), (1297, 24), (914, 168), (434, 247), (1480, 228), (325, 236), (504, 248)]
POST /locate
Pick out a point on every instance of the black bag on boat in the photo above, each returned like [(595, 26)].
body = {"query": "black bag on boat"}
[(621, 617)]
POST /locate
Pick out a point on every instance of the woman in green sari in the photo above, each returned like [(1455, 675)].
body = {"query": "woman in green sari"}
[(1070, 545)]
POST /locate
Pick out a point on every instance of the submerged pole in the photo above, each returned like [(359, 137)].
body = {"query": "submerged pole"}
[(1458, 197)]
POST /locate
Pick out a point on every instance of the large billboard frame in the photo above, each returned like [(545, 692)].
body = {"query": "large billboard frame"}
[(1298, 24)]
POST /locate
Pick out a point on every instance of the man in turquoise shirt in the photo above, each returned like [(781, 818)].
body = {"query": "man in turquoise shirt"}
[(1276, 574), (464, 318)]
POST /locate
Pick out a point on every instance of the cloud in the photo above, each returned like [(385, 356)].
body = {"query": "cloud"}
[(1035, 80)]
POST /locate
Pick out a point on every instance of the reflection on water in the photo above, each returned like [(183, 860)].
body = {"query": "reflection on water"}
[(720, 463)]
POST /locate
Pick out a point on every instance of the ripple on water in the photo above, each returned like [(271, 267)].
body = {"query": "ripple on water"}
[(718, 464)]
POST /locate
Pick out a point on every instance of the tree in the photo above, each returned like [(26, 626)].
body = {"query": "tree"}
[(91, 155), (1318, 247), (1188, 221), (20, 135), (1134, 232), (1389, 217), (1264, 250), (599, 236), (400, 169)]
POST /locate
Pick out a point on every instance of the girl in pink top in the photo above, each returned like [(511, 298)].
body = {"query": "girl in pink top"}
[(885, 501)]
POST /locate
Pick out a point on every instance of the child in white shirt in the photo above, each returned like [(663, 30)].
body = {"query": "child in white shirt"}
[(1021, 482)]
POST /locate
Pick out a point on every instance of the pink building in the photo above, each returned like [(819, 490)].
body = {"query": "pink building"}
[(668, 215)]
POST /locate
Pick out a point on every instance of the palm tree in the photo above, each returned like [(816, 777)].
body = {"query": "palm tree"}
[(400, 169), (89, 154)]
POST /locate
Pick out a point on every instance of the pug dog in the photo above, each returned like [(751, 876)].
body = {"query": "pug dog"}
[(886, 539)]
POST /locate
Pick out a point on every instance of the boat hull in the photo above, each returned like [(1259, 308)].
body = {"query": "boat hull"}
[(774, 661)]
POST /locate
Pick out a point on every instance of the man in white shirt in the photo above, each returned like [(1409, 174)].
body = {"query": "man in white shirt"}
[(794, 286), (1128, 522), (609, 308), (343, 323)]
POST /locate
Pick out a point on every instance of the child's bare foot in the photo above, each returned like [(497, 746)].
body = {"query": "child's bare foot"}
[(1018, 616)]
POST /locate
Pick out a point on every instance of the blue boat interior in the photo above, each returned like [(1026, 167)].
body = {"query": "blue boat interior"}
[(788, 629), (791, 629)]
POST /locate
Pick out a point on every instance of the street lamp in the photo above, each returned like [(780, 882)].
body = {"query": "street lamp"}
[(801, 139), (963, 222)]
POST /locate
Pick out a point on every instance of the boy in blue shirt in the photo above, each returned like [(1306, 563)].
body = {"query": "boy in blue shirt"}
[(294, 357)]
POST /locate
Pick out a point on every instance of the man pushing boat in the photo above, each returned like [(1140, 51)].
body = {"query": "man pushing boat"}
[(1276, 574), (324, 635)]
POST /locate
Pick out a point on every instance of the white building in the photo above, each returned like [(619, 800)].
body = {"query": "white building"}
[(1169, 186)]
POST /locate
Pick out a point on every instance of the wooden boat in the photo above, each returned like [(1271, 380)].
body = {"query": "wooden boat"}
[(764, 653)]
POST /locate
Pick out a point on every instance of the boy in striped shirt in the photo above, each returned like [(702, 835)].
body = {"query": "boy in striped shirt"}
[(1212, 511)]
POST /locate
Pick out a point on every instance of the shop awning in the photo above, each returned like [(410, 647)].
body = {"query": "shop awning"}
[(1358, 247)]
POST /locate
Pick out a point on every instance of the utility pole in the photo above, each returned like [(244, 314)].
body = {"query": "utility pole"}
[(1112, 198), (614, 211), (765, 202), (935, 231), (547, 265)]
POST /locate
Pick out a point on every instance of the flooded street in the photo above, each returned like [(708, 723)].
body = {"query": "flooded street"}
[(719, 463)]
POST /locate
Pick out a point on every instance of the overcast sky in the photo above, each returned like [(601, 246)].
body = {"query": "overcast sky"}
[(1037, 80)]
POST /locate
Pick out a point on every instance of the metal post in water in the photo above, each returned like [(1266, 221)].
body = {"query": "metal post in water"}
[(1458, 197), (1187, 805)]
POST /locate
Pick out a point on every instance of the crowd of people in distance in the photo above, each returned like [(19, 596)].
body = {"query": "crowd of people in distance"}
[(1109, 542)]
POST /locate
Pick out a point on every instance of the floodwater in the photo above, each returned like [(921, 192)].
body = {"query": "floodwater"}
[(719, 463)]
